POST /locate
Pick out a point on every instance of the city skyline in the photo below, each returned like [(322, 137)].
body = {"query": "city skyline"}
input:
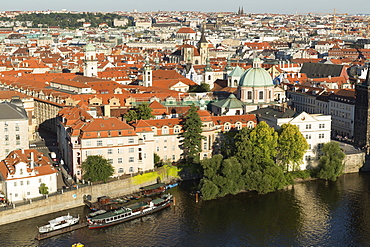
[(279, 7)]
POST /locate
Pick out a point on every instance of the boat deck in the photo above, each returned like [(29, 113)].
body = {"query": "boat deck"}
[(41, 236)]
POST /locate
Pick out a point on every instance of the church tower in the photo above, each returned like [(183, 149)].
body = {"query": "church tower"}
[(148, 75), (203, 48), (90, 61), (208, 74), (361, 135)]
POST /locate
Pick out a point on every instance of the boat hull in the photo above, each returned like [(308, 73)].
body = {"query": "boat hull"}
[(101, 225)]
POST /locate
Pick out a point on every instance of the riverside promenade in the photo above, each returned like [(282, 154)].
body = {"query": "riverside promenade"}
[(75, 198)]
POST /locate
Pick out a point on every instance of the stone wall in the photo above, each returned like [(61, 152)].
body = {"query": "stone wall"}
[(72, 199), (354, 162)]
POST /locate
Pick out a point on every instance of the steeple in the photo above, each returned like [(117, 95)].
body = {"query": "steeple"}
[(208, 67), (147, 76)]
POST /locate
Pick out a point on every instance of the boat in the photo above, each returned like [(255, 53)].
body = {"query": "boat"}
[(59, 223), (171, 185), (153, 189), (130, 212), (78, 245)]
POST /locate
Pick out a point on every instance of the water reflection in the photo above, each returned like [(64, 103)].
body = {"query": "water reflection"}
[(313, 213)]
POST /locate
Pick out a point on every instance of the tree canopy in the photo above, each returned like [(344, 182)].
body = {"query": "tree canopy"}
[(291, 146), (191, 135), (96, 168), (331, 162), (142, 111), (43, 189)]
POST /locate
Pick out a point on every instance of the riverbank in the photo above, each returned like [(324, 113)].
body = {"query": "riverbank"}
[(75, 198)]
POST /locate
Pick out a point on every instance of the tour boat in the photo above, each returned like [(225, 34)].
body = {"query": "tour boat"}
[(129, 213), (59, 223)]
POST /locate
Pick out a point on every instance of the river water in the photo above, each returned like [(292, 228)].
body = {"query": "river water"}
[(312, 213)]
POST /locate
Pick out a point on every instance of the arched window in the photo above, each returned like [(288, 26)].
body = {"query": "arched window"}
[(261, 95), (250, 124), (164, 130), (209, 77), (249, 95), (235, 82), (238, 126), (227, 126)]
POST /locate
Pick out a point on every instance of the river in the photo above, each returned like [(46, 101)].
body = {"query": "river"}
[(312, 213)]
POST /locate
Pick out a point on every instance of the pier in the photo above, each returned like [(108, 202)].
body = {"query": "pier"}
[(42, 236)]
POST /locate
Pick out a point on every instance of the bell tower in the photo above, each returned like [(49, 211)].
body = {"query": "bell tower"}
[(90, 61)]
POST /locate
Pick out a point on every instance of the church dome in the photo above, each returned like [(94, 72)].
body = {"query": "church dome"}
[(89, 47), (256, 76)]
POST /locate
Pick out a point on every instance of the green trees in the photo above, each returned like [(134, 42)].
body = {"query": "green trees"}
[(43, 189), (255, 160), (96, 168), (203, 87), (291, 147), (142, 111), (331, 163), (192, 135)]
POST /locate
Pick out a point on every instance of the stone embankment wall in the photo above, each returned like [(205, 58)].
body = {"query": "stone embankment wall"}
[(73, 198), (354, 162)]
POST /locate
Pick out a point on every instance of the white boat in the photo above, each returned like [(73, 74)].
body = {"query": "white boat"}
[(59, 223)]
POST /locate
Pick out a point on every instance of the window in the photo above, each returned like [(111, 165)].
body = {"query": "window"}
[(131, 150), (173, 148), (120, 160), (28, 193), (165, 130), (321, 136), (6, 137), (88, 152), (307, 157), (120, 169), (16, 126), (110, 161), (99, 143), (261, 94), (319, 146), (250, 124), (205, 145), (249, 95), (110, 151), (157, 149), (88, 143), (120, 150), (28, 182), (238, 126), (21, 182), (173, 157), (15, 184), (164, 148), (131, 159), (131, 169), (177, 129), (16, 195), (308, 136), (321, 126), (131, 140), (227, 127), (308, 126)]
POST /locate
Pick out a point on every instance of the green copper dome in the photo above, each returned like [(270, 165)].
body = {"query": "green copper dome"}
[(90, 47), (256, 76)]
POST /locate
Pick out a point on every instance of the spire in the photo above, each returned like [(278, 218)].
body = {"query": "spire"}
[(208, 67), (202, 38), (228, 66)]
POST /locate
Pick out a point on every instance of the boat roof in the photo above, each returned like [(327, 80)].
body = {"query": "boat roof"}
[(153, 186), (111, 213), (158, 200)]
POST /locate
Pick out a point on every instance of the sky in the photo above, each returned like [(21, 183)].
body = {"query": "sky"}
[(256, 6)]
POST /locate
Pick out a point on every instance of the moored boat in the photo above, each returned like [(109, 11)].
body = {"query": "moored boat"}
[(59, 223), (124, 214)]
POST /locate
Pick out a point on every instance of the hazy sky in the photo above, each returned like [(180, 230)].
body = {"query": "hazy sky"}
[(256, 6)]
